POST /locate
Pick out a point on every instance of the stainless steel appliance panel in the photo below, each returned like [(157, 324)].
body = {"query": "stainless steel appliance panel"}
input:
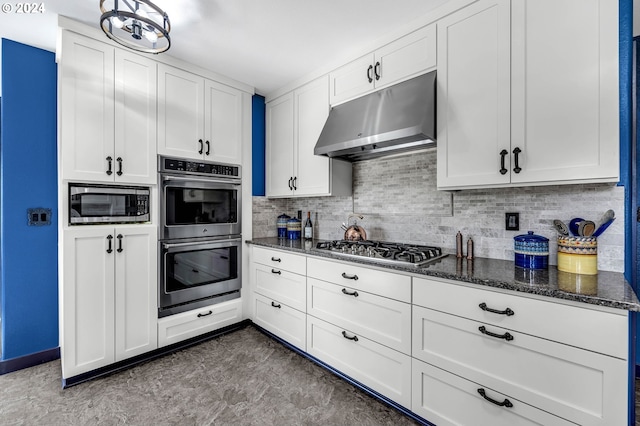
[(198, 273)]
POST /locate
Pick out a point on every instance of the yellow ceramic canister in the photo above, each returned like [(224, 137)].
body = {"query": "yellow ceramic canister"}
[(578, 255)]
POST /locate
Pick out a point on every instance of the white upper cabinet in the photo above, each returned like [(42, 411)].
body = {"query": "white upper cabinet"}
[(279, 146), (528, 94), (565, 96), (107, 113), (394, 62), (198, 118), (294, 122), (473, 95), (135, 118)]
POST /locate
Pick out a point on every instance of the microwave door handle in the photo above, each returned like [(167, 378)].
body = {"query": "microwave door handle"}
[(201, 180)]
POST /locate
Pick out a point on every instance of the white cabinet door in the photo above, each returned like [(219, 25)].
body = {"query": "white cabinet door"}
[(383, 320), (136, 289), (180, 113), (447, 399), (86, 109), (374, 365), (565, 111), (473, 95), (279, 150), (135, 119), (185, 325), (284, 321), (352, 80), (223, 123), (87, 300), (312, 172), (405, 57)]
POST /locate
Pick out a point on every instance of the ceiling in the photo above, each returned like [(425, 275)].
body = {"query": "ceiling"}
[(264, 43)]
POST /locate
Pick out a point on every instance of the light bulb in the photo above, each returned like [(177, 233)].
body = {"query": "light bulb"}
[(142, 13), (116, 22), (150, 35)]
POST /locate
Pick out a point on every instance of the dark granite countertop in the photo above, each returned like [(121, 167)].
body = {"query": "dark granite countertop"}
[(609, 289)]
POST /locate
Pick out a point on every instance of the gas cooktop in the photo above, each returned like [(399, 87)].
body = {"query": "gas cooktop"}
[(384, 252)]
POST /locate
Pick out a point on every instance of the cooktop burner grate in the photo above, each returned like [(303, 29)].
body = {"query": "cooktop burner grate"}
[(384, 252)]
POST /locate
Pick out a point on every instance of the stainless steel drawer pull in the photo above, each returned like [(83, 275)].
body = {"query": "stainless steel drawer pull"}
[(276, 306), (350, 277), (276, 259), (506, 336), (354, 294), (505, 403), (354, 338), (508, 312)]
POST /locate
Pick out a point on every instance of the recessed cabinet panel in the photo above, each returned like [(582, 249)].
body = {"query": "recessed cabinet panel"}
[(312, 110), (136, 291), (473, 89), (135, 119), (446, 399), (382, 369), (575, 384), (586, 328), (180, 112), (384, 320), (565, 89), (179, 327), (352, 80), (223, 123), (279, 149), (285, 322), (287, 287), (86, 108), (87, 300)]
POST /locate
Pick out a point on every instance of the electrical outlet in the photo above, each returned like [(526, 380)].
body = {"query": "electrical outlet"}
[(512, 221)]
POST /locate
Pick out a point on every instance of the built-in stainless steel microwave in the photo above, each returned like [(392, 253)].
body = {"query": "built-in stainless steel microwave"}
[(93, 204)]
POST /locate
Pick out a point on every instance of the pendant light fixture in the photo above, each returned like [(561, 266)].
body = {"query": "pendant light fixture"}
[(137, 24)]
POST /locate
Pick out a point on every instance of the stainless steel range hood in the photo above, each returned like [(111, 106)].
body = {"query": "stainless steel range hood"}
[(397, 119)]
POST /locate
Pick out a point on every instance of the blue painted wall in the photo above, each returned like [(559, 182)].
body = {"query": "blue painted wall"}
[(258, 145), (28, 179)]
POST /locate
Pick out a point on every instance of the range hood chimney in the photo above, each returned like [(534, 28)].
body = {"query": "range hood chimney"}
[(397, 119)]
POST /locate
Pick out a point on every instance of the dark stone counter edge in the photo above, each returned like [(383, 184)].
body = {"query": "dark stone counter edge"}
[(632, 304)]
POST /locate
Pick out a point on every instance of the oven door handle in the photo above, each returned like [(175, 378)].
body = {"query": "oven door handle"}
[(196, 243), (230, 181)]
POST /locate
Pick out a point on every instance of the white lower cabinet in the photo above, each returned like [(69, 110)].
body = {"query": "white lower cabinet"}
[(108, 307), (573, 383), (374, 365), (447, 399), (383, 320), (284, 321), (179, 327)]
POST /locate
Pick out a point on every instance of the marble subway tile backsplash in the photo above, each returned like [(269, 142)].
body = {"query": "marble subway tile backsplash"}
[(399, 200)]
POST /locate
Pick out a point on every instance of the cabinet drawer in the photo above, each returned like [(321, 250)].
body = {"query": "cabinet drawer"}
[(446, 399), (382, 369), (282, 260), (597, 331), (285, 322), (278, 284), (582, 386), (178, 327), (387, 284), (383, 320)]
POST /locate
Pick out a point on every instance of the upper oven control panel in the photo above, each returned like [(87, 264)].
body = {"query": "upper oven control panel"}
[(202, 168)]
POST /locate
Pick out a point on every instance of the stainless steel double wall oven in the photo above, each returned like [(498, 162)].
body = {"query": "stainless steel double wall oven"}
[(200, 247)]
